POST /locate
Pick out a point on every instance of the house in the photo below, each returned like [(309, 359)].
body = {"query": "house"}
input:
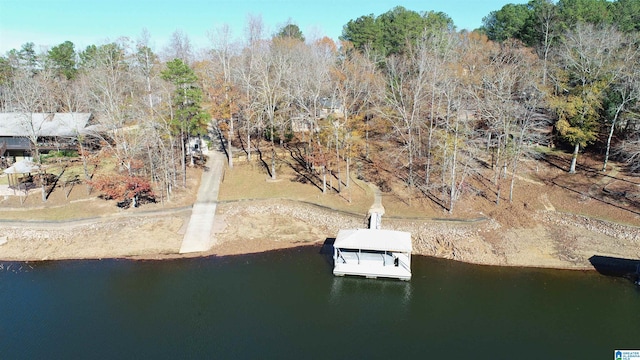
[(331, 106), (54, 131)]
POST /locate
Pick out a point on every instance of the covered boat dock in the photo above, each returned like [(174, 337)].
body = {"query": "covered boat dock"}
[(373, 253)]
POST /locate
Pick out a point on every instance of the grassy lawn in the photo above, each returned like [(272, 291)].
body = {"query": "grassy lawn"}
[(72, 169), (579, 193), (77, 210), (68, 200), (251, 181)]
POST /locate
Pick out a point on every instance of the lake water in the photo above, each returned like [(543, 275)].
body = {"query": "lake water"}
[(287, 305)]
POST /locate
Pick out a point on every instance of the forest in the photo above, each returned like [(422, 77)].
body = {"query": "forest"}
[(402, 97)]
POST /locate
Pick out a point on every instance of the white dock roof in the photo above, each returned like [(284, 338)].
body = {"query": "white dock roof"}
[(373, 239)]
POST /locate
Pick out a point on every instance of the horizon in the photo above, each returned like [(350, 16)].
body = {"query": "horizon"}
[(99, 23)]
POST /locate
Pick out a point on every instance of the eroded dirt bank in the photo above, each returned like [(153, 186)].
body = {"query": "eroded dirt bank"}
[(549, 239)]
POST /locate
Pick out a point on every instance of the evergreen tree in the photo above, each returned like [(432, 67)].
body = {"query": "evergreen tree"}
[(391, 32), (63, 59), (626, 14), (595, 12), (28, 57), (189, 119), (291, 31), (506, 23)]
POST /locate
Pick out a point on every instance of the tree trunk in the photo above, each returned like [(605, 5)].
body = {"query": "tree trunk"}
[(324, 179), (273, 161), (338, 164), (173, 180), (366, 141), (452, 194), (513, 179), (330, 178), (348, 163), (229, 151), (191, 160), (183, 161), (410, 154), (248, 146), (273, 149), (495, 165), (38, 160), (574, 159), (152, 168), (427, 171), (85, 166), (613, 126)]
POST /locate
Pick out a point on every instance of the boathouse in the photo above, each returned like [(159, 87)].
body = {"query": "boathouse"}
[(373, 253)]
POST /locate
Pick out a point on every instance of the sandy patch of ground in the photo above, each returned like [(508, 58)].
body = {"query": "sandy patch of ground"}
[(114, 238)]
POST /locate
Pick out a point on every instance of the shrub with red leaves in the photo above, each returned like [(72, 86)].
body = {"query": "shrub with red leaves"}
[(127, 190)]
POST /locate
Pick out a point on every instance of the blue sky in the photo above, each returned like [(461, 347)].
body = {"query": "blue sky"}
[(50, 22)]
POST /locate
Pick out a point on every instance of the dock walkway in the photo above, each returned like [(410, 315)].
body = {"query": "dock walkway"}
[(198, 236)]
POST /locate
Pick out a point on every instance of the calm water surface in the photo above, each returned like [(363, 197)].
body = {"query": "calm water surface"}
[(287, 305)]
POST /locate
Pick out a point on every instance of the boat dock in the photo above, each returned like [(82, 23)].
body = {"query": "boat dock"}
[(373, 253)]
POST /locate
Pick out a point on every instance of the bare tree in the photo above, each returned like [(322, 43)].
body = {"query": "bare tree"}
[(264, 75), (629, 151), (407, 82), (145, 65), (355, 85), (254, 30), (32, 94), (439, 48), (72, 99), (244, 74), (625, 86), (585, 67), (109, 87), (507, 103), (179, 47), (223, 51), (545, 19), (309, 87)]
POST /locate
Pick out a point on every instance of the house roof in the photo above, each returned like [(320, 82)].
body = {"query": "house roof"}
[(374, 239), (22, 167), (44, 124)]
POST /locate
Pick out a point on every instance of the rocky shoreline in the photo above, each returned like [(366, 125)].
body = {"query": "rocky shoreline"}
[(563, 241)]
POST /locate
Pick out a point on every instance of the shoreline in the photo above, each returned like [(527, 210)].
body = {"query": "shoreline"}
[(564, 241)]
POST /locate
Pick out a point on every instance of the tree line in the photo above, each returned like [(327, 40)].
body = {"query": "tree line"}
[(589, 51), (144, 110), (403, 96)]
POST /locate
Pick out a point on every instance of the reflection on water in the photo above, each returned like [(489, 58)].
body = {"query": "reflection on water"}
[(364, 289), (288, 305)]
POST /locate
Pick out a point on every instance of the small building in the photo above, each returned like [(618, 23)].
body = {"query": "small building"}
[(53, 131), (19, 174), (331, 106), (373, 253)]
